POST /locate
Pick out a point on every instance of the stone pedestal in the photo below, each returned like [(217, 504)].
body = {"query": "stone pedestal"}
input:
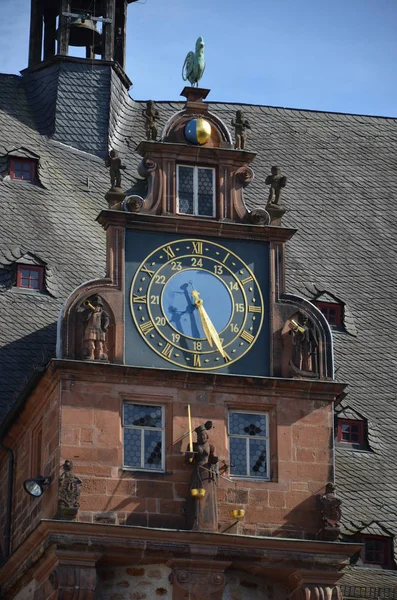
[(115, 197), (276, 212)]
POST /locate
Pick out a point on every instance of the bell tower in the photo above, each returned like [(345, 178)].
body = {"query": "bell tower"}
[(56, 26)]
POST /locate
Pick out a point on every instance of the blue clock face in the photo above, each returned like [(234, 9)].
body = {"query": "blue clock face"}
[(196, 304), (180, 309)]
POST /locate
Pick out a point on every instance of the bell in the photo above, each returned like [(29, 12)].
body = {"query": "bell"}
[(197, 492), (83, 32), (237, 513)]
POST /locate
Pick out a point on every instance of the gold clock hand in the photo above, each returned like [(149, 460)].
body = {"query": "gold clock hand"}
[(199, 303), (207, 324)]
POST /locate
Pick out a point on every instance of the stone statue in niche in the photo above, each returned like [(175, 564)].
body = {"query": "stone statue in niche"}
[(113, 161), (276, 182), (240, 125), (96, 321), (331, 513), (304, 355), (69, 492), (151, 116), (202, 512)]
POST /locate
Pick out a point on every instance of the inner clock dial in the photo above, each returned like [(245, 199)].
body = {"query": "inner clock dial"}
[(179, 308)]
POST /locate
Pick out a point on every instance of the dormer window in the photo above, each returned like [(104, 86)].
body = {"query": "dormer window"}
[(23, 169), (332, 312), (351, 432), (195, 191), (376, 550), (30, 277)]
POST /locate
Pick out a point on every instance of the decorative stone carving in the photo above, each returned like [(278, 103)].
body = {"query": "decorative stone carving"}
[(259, 217), (240, 125), (151, 116), (69, 492), (115, 166), (245, 175), (276, 182), (197, 579), (146, 166), (304, 352), (331, 513), (77, 582), (96, 321), (133, 203), (201, 512), (319, 592)]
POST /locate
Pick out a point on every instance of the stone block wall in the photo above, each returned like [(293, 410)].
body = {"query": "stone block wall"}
[(35, 441), (147, 582), (300, 457)]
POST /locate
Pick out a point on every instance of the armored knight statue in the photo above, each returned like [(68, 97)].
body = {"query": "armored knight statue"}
[(240, 135), (96, 321), (202, 512), (151, 116), (194, 65), (304, 348), (331, 513), (276, 182), (113, 161)]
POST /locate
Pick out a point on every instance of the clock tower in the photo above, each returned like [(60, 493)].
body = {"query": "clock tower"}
[(192, 393)]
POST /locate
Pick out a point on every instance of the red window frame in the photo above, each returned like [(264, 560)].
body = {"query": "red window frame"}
[(19, 173), (26, 280), (349, 436), (376, 550), (332, 312)]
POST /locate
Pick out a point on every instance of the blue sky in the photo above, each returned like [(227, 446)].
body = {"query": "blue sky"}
[(336, 55)]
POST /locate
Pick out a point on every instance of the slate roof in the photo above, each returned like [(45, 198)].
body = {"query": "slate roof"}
[(341, 195)]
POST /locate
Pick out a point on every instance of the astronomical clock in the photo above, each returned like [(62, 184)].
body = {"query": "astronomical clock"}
[(197, 303)]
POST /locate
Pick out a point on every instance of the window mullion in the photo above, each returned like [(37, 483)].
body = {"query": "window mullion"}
[(143, 448), (195, 191), (247, 448)]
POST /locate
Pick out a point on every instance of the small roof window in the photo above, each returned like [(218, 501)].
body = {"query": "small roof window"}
[(30, 277), (22, 168), (332, 312)]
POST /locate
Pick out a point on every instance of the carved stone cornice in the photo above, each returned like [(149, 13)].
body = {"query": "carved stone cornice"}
[(309, 585), (197, 579), (73, 544), (194, 226)]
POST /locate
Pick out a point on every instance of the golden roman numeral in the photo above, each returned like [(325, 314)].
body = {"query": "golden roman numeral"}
[(226, 257), (169, 251), (148, 271), (167, 351), (197, 247), (139, 299), (146, 327), (196, 360), (247, 337), (246, 280), (254, 309)]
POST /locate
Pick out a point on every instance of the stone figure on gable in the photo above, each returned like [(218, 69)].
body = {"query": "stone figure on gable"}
[(113, 161), (276, 182), (151, 116), (96, 321), (202, 514), (240, 135)]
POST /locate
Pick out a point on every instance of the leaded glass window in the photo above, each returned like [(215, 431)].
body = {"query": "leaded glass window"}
[(249, 444), (196, 191), (143, 431)]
